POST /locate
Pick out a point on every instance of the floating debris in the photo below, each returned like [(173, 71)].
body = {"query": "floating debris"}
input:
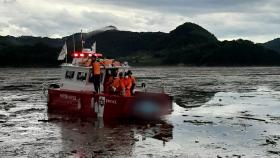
[(197, 116), (8, 106), (247, 96), (235, 155), (216, 104), (26, 111), (275, 118), (251, 118), (50, 120), (274, 152), (270, 141), (197, 122)]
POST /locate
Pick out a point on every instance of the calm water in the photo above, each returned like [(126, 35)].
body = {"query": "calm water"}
[(226, 112)]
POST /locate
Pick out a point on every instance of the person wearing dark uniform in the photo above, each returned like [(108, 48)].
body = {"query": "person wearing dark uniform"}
[(133, 82)]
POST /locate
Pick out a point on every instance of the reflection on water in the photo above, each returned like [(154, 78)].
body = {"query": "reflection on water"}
[(99, 138), (218, 112)]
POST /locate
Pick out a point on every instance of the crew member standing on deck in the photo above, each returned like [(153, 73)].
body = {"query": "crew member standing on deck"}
[(126, 82), (116, 84), (96, 74)]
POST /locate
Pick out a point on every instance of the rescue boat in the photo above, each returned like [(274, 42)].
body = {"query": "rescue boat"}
[(75, 94)]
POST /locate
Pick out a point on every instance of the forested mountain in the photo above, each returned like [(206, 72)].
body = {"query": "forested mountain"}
[(188, 44), (273, 44)]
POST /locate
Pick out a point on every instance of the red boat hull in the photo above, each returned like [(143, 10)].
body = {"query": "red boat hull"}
[(89, 104)]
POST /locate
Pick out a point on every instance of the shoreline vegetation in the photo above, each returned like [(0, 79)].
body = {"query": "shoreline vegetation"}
[(187, 45)]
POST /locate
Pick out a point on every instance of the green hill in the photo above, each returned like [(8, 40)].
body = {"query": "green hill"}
[(273, 44), (29, 51), (188, 44)]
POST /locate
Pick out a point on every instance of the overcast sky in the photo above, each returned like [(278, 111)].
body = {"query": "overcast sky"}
[(256, 20)]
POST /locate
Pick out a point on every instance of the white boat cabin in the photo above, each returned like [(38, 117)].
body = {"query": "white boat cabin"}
[(79, 78)]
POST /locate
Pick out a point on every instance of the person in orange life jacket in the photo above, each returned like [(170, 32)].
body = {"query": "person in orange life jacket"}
[(96, 73), (121, 88), (126, 85), (114, 87), (133, 81)]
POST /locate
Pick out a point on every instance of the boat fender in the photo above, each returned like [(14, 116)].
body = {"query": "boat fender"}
[(96, 109), (101, 104), (79, 104)]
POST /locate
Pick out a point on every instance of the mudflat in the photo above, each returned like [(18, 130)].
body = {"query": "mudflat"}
[(218, 112)]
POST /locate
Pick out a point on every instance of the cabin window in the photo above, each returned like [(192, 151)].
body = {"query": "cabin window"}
[(81, 76), (90, 80), (69, 74)]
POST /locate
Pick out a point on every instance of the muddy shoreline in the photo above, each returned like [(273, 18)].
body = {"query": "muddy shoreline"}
[(218, 112)]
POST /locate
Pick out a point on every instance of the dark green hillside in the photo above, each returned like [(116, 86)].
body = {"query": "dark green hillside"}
[(226, 53), (29, 51), (38, 54), (124, 43), (273, 45), (188, 44), (239, 53), (189, 34)]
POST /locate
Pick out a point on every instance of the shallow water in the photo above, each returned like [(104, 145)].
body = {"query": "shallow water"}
[(226, 112)]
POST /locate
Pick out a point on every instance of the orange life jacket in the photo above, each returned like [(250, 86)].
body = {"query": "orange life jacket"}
[(116, 83), (96, 68), (126, 85)]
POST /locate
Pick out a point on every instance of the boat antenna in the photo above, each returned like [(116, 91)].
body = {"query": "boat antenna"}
[(82, 40), (66, 51), (93, 47)]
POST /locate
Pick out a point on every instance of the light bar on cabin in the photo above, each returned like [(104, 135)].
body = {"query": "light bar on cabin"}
[(82, 55)]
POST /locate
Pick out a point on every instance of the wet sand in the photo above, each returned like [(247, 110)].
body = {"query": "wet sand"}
[(218, 112)]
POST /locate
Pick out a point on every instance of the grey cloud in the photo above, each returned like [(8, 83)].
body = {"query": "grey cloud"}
[(3, 25), (224, 18), (61, 23), (65, 23), (193, 6), (254, 17), (8, 1)]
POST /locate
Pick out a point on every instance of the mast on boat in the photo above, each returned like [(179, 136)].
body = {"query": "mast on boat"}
[(82, 40)]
